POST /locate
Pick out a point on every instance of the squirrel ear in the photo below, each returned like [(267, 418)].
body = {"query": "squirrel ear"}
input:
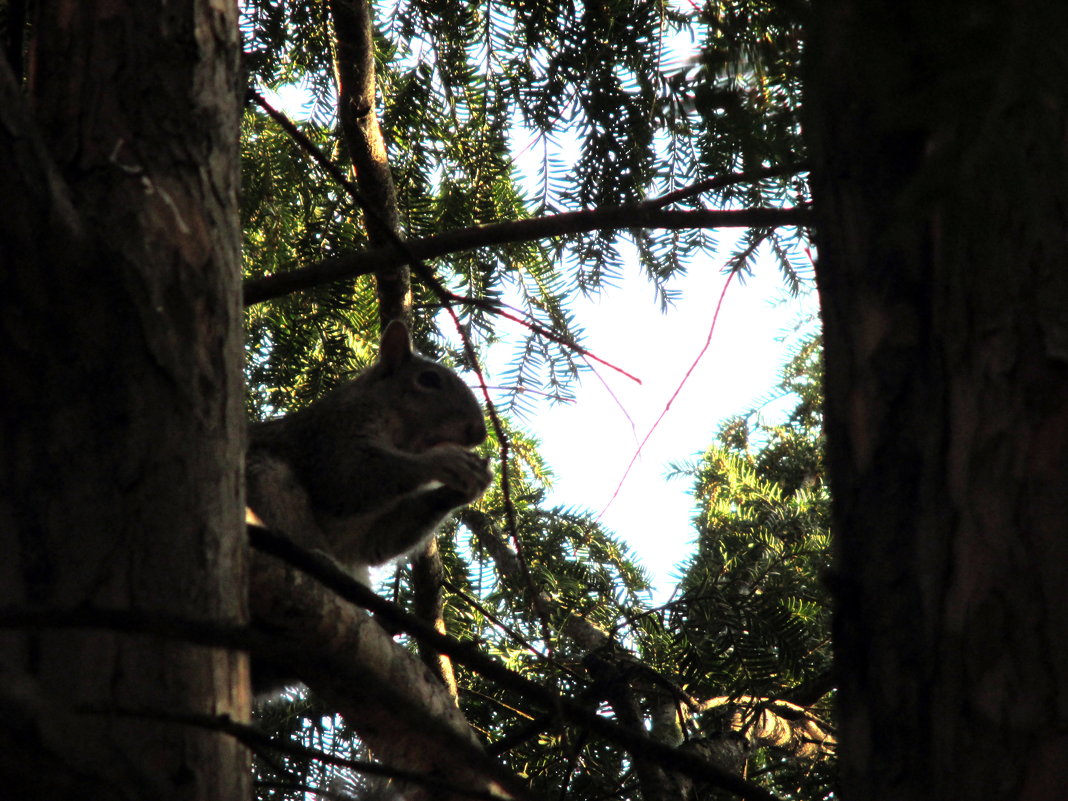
[(396, 346)]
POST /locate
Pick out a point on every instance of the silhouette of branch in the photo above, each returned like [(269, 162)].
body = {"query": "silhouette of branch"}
[(263, 744), (723, 181), (350, 266), (335, 578), (400, 252)]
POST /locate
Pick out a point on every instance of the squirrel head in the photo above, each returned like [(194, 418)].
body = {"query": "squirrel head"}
[(428, 403)]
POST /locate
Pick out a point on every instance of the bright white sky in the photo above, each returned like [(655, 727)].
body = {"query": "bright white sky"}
[(589, 443)]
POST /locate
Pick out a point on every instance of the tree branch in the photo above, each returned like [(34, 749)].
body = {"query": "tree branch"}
[(721, 182), (383, 691), (355, 69), (612, 218), (775, 723), (263, 744), (401, 250), (285, 594)]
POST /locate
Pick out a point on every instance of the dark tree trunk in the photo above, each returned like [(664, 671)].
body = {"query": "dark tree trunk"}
[(940, 142), (121, 433)]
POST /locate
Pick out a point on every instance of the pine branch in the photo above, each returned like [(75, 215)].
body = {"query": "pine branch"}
[(333, 577), (503, 233), (381, 689), (722, 182), (355, 69), (400, 249), (263, 744)]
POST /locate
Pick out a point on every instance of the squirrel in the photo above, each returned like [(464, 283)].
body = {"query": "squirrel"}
[(369, 471)]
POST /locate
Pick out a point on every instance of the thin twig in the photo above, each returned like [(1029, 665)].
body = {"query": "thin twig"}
[(722, 182), (674, 395), (514, 635)]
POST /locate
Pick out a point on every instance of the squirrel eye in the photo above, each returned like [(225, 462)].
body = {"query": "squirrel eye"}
[(429, 379)]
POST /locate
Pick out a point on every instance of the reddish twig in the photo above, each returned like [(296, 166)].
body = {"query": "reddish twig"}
[(523, 319), (675, 394)]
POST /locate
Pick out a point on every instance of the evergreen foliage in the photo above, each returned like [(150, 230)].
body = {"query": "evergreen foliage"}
[(752, 614), (602, 106)]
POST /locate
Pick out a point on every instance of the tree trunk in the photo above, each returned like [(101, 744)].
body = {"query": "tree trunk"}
[(940, 143), (121, 433)]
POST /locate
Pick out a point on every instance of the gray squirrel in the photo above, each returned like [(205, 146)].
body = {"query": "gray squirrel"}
[(368, 472)]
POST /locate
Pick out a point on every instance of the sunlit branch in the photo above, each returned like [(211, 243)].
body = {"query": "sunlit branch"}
[(400, 252), (332, 576)]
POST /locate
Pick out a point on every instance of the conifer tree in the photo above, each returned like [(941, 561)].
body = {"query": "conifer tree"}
[(473, 167)]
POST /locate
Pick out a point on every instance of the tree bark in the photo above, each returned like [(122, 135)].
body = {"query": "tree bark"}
[(121, 434), (940, 148), (397, 706), (357, 100)]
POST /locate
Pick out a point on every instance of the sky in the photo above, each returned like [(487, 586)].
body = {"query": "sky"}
[(589, 443)]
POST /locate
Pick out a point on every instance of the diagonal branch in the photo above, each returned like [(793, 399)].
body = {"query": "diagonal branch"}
[(263, 745), (335, 578), (405, 255), (354, 60), (722, 182)]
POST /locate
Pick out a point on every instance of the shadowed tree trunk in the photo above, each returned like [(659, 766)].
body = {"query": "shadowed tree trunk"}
[(121, 434), (940, 138)]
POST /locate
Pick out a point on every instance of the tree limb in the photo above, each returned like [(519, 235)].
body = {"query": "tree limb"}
[(384, 692), (355, 70), (263, 745), (350, 266), (288, 594), (723, 181)]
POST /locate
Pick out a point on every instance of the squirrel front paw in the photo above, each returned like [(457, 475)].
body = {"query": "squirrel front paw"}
[(461, 469)]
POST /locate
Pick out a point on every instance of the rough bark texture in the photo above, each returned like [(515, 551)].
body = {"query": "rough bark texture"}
[(397, 706), (121, 433), (940, 147), (357, 101)]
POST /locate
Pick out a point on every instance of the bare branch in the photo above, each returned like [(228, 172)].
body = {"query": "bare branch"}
[(399, 249), (263, 744), (777, 723), (383, 691)]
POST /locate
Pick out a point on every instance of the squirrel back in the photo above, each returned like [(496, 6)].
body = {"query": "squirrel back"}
[(368, 472)]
